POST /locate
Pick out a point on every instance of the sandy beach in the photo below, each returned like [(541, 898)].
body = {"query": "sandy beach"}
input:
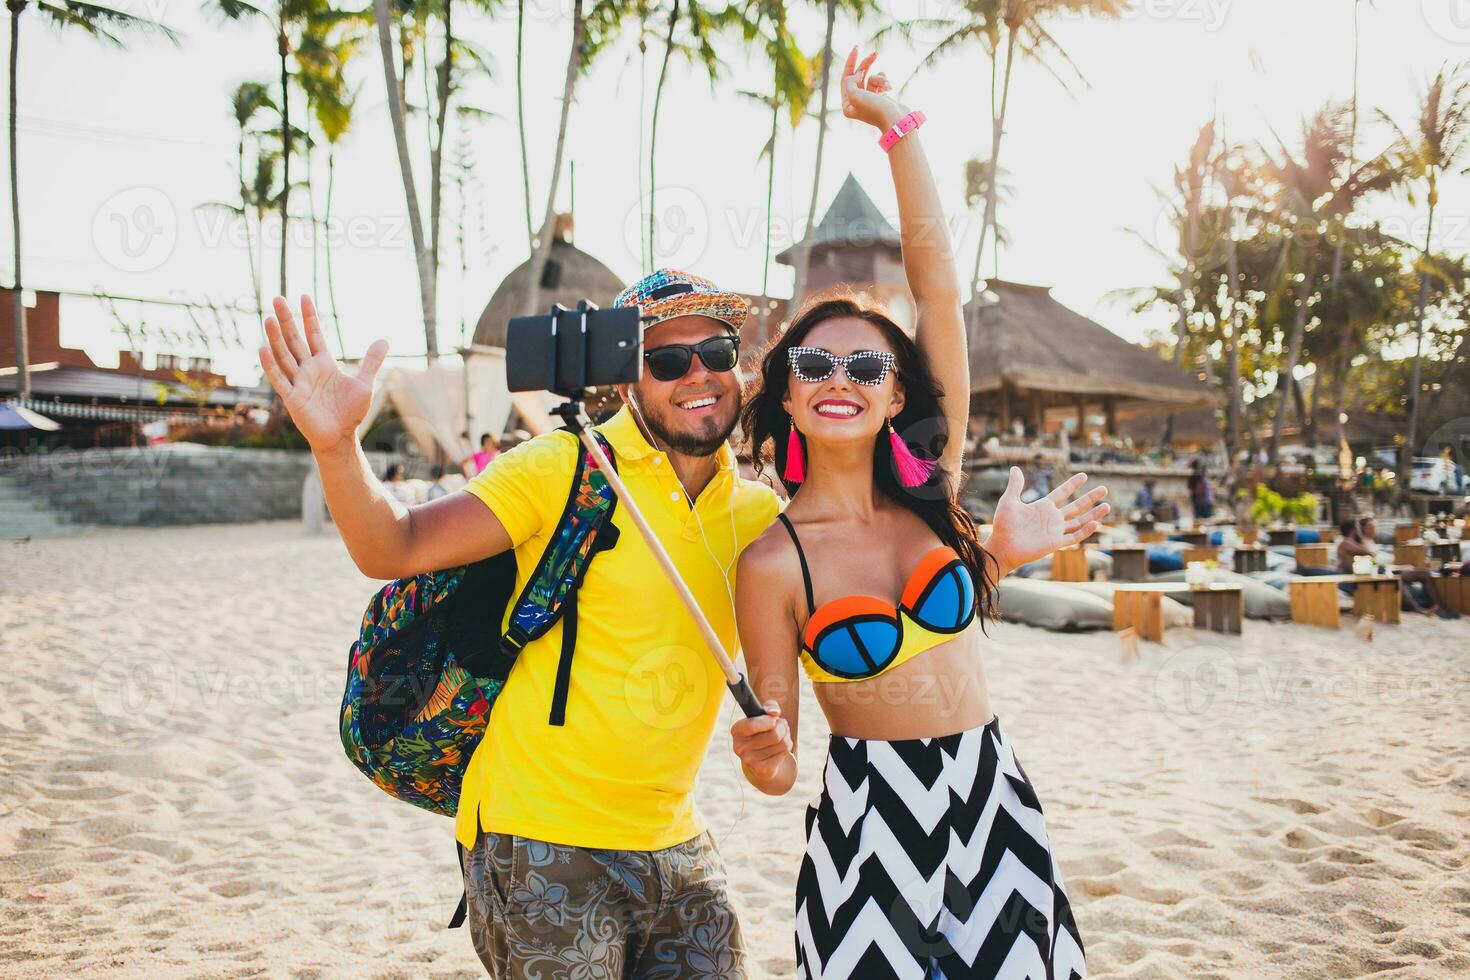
[(1290, 803)]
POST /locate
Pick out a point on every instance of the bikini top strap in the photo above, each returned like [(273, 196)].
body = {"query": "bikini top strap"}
[(806, 575)]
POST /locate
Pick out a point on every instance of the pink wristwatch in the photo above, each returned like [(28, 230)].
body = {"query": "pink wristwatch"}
[(898, 130)]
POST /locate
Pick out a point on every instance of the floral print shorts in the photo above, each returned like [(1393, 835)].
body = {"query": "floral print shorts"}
[(544, 911)]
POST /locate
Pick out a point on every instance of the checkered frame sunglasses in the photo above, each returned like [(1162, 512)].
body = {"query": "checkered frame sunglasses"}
[(864, 367)]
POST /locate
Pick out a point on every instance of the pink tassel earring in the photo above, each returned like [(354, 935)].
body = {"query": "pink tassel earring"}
[(913, 471), (795, 471)]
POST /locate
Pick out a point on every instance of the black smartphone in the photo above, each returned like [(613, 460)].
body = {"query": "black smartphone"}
[(568, 351)]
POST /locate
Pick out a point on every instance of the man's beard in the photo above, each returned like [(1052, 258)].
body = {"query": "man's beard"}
[(705, 443)]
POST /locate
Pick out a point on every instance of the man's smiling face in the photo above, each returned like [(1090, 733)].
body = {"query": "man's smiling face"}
[(693, 414)]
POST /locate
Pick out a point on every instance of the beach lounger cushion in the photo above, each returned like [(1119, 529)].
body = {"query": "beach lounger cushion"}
[(1052, 605), (1261, 600)]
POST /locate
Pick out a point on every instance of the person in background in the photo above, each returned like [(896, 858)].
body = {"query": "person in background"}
[(489, 449), (1145, 499), (437, 489), (1201, 494), (1040, 479), (396, 483), (1360, 537)]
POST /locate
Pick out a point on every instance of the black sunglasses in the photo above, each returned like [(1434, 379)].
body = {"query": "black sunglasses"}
[(670, 362)]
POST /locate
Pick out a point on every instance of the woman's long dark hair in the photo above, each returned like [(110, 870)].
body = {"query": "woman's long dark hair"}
[(767, 427)]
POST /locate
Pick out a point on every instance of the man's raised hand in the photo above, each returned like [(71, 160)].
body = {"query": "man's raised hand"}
[(324, 401)]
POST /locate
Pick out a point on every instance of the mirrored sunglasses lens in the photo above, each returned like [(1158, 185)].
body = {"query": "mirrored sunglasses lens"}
[(719, 354)]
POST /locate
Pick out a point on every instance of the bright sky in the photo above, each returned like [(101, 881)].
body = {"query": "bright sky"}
[(119, 149)]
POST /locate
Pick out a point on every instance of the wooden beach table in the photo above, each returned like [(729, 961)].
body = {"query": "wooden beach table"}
[(1445, 551), (1130, 563), (1197, 539), (1454, 592), (1203, 552), (1314, 556), (1217, 607), (1407, 531), (1151, 537), (1069, 565), (1250, 535), (1250, 558), (1413, 553), (1281, 537), (1314, 598)]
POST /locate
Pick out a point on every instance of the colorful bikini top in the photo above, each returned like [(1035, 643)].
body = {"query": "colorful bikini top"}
[(857, 637)]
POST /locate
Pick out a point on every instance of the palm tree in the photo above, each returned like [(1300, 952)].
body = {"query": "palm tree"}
[(383, 19), (1019, 27), (103, 23), (323, 63), (704, 23), (802, 257), (977, 193), (1314, 197), (593, 28), (249, 99), (286, 18), (790, 91), (1437, 145)]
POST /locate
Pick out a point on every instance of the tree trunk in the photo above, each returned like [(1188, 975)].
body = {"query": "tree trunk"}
[(1406, 458), (803, 254), (17, 304), (658, 95), (405, 169), (436, 156), (327, 219), (992, 193), (521, 124), (1232, 364), (283, 48), (1339, 396), (765, 309), (245, 207), (1293, 354), (548, 222)]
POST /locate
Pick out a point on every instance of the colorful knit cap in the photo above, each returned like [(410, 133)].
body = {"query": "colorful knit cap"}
[(669, 293)]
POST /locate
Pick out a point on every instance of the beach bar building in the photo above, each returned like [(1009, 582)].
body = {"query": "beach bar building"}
[(1033, 359)]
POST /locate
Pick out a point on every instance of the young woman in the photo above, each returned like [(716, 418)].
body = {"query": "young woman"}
[(927, 855)]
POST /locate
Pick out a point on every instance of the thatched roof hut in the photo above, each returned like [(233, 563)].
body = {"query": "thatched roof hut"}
[(570, 274), (1030, 354)]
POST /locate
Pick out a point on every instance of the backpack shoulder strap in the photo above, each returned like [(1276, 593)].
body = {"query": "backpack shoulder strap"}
[(584, 529)]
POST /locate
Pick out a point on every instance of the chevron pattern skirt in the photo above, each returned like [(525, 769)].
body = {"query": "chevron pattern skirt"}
[(928, 858)]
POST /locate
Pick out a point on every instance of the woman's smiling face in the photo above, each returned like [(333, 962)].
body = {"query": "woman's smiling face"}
[(838, 409)]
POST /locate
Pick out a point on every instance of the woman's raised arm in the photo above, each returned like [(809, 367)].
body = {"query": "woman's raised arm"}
[(928, 259)]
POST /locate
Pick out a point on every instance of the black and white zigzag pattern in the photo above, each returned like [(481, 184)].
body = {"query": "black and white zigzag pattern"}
[(928, 858)]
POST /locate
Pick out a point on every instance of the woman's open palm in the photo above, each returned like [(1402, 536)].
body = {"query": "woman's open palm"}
[(1035, 530), (324, 401)]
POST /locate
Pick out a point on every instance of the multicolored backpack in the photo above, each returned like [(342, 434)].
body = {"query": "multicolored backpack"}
[(430, 661)]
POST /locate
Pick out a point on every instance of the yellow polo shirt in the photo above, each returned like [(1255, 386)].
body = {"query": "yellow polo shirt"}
[(645, 692)]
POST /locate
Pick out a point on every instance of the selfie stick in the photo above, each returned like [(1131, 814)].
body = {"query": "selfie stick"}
[(574, 414)]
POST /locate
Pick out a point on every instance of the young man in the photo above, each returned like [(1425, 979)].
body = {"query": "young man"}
[(584, 854), (581, 842)]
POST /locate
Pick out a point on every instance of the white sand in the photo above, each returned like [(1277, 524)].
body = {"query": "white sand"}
[(174, 800)]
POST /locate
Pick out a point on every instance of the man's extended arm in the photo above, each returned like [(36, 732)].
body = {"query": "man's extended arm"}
[(386, 538)]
